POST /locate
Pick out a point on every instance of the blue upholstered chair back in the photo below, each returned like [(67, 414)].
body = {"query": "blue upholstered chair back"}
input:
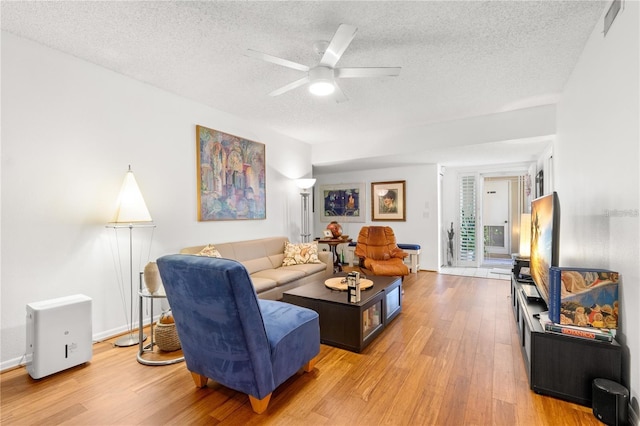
[(219, 321)]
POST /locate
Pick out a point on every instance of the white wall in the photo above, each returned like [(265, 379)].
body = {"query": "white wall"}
[(596, 171), (69, 131), (422, 218)]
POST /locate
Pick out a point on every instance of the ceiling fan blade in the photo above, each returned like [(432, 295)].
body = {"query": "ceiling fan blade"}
[(339, 43), (278, 61), (290, 86), (338, 94), (367, 72)]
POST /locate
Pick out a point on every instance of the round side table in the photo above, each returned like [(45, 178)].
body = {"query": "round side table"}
[(147, 354), (333, 244)]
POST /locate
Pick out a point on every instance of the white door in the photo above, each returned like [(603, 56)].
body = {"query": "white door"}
[(495, 216)]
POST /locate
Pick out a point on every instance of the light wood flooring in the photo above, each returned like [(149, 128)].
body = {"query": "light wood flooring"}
[(451, 358)]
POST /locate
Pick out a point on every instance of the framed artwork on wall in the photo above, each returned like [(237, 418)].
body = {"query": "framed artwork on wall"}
[(231, 176), (342, 202), (388, 201)]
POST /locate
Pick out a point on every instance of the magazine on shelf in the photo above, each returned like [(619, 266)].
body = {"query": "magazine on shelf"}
[(583, 297), (581, 332), (588, 333)]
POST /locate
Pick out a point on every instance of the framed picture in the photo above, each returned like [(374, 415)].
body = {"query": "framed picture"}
[(388, 200), (231, 176), (342, 202), (327, 234)]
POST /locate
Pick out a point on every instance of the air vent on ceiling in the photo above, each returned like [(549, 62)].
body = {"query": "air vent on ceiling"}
[(611, 15)]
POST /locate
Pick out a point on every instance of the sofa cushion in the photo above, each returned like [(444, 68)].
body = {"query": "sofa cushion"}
[(299, 254), (262, 283), (279, 275), (256, 265), (276, 260), (307, 268), (226, 250)]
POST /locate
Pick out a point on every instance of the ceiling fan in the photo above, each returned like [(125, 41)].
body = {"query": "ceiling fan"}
[(322, 77)]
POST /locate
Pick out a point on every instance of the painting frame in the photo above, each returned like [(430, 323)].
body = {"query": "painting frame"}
[(389, 201), (342, 202), (231, 176)]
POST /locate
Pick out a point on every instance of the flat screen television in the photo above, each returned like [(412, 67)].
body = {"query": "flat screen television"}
[(545, 240)]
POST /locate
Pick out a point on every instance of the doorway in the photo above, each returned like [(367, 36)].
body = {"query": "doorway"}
[(488, 218), (502, 203), (496, 218)]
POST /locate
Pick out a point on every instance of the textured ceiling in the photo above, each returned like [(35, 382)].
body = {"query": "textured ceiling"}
[(459, 58)]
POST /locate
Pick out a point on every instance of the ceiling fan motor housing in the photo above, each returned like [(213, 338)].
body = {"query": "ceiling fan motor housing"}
[(321, 73)]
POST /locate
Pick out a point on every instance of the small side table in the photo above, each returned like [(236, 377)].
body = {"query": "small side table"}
[(333, 243), (145, 352)]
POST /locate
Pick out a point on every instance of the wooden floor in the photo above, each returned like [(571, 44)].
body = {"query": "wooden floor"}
[(451, 358)]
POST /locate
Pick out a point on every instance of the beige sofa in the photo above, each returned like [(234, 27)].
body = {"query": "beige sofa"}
[(263, 259)]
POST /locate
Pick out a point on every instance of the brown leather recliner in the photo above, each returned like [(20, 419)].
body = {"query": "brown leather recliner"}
[(379, 253)]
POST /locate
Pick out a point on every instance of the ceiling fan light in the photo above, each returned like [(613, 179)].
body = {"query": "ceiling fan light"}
[(321, 88), (321, 81)]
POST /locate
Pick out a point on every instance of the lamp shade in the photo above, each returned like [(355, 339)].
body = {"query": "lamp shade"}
[(130, 206), (305, 183), (525, 234)]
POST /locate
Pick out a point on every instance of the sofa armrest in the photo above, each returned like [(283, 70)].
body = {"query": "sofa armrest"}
[(326, 257)]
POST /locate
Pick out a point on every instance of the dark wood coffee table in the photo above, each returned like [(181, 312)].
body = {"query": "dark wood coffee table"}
[(345, 325)]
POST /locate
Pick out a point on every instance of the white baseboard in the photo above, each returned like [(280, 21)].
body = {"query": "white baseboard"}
[(98, 337), (12, 363)]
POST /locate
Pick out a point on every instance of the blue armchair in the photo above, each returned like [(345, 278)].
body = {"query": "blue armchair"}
[(229, 335)]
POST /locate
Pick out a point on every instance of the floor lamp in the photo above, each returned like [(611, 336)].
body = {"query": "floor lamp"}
[(131, 212), (305, 185)]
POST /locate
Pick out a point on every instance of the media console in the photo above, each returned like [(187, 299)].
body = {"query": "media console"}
[(561, 366)]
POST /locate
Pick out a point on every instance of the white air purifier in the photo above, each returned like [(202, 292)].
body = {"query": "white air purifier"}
[(59, 334)]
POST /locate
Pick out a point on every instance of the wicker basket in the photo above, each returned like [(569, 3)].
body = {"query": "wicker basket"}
[(166, 337)]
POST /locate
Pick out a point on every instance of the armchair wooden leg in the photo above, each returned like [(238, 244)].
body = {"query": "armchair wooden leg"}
[(308, 367), (259, 405), (199, 379)]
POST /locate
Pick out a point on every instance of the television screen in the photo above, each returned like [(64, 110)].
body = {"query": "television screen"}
[(545, 236)]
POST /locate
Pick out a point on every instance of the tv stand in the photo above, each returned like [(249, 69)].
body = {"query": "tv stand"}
[(561, 366)]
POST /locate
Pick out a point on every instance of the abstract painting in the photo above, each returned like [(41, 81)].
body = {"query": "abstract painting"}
[(231, 176)]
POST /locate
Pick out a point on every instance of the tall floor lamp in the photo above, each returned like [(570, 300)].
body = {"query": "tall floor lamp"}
[(525, 235), (131, 212), (305, 185)]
